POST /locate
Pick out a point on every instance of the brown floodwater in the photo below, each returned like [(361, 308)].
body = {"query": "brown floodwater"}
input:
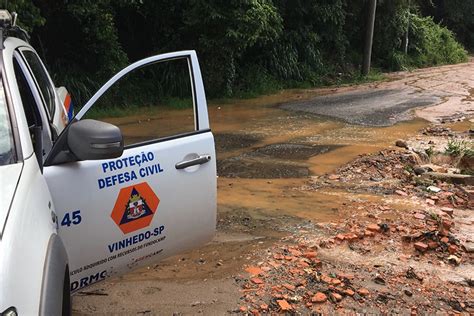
[(266, 155)]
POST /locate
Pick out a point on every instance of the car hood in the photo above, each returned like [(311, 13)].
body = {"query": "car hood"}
[(9, 176)]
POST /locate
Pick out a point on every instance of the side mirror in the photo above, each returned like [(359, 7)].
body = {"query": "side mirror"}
[(94, 140)]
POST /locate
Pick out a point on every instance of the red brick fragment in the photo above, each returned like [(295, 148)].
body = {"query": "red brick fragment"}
[(319, 298), (284, 305), (289, 287), (254, 270), (421, 246), (340, 237), (369, 233), (351, 237), (447, 224), (256, 281), (278, 256), (243, 309), (448, 210), (349, 292), (399, 192), (374, 228), (326, 279), (432, 245), (363, 292), (445, 240), (430, 202), (336, 297), (335, 282), (420, 216), (264, 307), (452, 249), (310, 254)]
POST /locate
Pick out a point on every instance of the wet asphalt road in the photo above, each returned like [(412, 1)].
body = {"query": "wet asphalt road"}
[(383, 107)]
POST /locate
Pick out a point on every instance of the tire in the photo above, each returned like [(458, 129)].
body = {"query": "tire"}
[(67, 306)]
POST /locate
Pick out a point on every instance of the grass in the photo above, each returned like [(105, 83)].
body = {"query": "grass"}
[(130, 110), (460, 148)]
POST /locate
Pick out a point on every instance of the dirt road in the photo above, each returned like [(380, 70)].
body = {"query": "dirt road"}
[(272, 154)]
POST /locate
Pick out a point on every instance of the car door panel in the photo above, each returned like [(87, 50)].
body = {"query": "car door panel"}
[(119, 214)]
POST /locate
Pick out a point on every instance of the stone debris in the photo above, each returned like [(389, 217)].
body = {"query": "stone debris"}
[(377, 259)]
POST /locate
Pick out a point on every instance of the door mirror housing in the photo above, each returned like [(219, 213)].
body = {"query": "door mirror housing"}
[(86, 140), (94, 140)]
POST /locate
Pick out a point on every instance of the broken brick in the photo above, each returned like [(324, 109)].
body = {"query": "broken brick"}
[(363, 292), (447, 224), (326, 279), (349, 292), (256, 281), (336, 297), (351, 237), (445, 240), (310, 254), (254, 270), (289, 287), (447, 210), (284, 305), (430, 202), (319, 298), (421, 246), (374, 228), (452, 249), (335, 282), (369, 233), (399, 192), (420, 216)]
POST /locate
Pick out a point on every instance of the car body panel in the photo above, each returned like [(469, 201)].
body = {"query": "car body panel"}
[(24, 242), (9, 177)]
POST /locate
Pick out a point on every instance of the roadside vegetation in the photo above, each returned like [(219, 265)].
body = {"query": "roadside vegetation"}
[(246, 48)]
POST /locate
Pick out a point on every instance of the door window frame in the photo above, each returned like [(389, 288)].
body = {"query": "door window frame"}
[(201, 122), (52, 112), (47, 133)]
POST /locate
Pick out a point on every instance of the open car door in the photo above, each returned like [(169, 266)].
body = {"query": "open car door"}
[(156, 200)]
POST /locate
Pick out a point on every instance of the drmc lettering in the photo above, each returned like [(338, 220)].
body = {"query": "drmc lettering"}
[(76, 285)]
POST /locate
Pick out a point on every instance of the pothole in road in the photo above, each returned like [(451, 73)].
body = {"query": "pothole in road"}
[(228, 141), (294, 151), (255, 169), (273, 161)]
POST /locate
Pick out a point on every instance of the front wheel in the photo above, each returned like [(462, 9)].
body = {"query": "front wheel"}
[(67, 306)]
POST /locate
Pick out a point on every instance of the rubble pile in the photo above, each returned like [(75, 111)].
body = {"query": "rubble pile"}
[(294, 278), (378, 258), (387, 164), (437, 131)]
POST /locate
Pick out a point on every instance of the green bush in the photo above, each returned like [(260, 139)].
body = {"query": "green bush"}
[(432, 44)]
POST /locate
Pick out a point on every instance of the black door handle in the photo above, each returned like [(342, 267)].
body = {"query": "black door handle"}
[(193, 162)]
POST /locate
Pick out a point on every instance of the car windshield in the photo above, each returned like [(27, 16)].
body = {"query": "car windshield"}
[(6, 139)]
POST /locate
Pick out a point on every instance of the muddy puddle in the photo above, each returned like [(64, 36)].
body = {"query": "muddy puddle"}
[(266, 154)]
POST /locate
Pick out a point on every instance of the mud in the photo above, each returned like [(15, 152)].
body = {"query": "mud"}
[(273, 165), (374, 108), (254, 169)]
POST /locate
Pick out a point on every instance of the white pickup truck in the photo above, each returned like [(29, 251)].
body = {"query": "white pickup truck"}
[(76, 205)]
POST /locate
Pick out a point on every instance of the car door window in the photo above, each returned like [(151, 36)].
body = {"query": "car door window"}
[(31, 100), (149, 103), (42, 80), (7, 153)]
